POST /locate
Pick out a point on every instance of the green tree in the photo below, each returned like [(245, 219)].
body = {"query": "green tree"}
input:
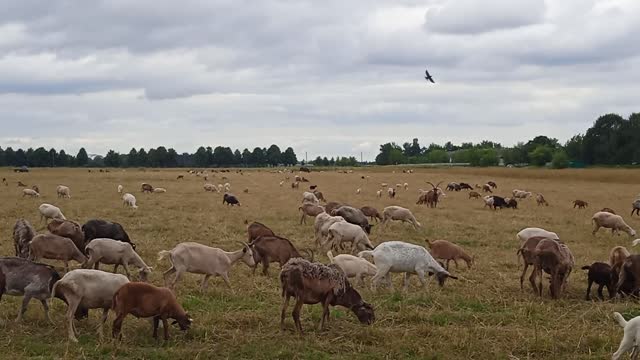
[(258, 157), (172, 158), (201, 158), (289, 157), (132, 158), (112, 159), (541, 155), (10, 156), (560, 160), (237, 157), (390, 154), (437, 156), (274, 155), (412, 149), (82, 159), (246, 157), (3, 159), (143, 158)]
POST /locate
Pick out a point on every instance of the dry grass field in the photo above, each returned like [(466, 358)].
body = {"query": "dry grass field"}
[(483, 315)]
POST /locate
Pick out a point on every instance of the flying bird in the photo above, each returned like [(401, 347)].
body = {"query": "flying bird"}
[(428, 77)]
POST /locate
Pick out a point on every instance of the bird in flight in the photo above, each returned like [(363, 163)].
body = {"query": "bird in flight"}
[(428, 77)]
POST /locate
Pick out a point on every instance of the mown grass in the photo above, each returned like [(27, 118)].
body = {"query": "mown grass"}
[(484, 315)]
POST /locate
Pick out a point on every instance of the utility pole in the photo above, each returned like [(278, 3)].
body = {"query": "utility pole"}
[(306, 161), (361, 157)]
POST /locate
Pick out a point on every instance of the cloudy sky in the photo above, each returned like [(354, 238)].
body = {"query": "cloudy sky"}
[(326, 77)]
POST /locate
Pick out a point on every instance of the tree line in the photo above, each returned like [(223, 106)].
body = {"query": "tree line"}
[(612, 140)]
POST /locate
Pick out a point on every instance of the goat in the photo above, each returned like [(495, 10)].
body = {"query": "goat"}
[(268, 249), (309, 209), (555, 259), (603, 275), (353, 266), (580, 204), (256, 229), (23, 233), (114, 252), (98, 228), (371, 212), (50, 246), (444, 250)]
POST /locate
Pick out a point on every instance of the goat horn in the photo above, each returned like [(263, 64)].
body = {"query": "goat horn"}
[(431, 184)]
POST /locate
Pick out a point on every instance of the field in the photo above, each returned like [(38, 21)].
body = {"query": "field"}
[(483, 315)]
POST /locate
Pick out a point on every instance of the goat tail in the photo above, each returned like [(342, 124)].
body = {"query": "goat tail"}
[(330, 256), (364, 253), (518, 253), (163, 254), (619, 319), (635, 242), (586, 267), (53, 289)]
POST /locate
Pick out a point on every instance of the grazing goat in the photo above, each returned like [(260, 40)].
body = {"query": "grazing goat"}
[(631, 337), (635, 207), (492, 184), (309, 209), (603, 275), (230, 199), (398, 213), (114, 252), (611, 221), (398, 256), (32, 280), (98, 228), (629, 273), (129, 200), (319, 195), (69, 229), (540, 200), (310, 198), (353, 216), (445, 250), (321, 227), (342, 232), (50, 246), (87, 289), (63, 191), (268, 249), (580, 204), (527, 252), (556, 260), (143, 300), (371, 212), (23, 233), (48, 211), (474, 194), (312, 283), (465, 186), (30, 193), (146, 188), (201, 259), (353, 266), (256, 229), (487, 188)]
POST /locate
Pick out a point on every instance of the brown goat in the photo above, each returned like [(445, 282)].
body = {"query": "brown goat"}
[(609, 210), (330, 206), (268, 249), (445, 250), (540, 200), (50, 246), (526, 251), (69, 229), (309, 210), (580, 204), (556, 260), (319, 195), (492, 184), (312, 283), (146, 188), (474, 194), (629, 276), (256, 230), (486, 188), (617, 255), (144, 300), (371, 212)]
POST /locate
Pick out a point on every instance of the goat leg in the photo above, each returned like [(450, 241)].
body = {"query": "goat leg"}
[(283, 313), (296, 314)]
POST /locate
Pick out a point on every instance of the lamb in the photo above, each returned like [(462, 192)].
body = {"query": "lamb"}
[(321, 227), (309, 209), (603, 275), (120, 188), (474, 194), (114, 252), (540, 200), (230, 199), (580, 204), (143, 300), (312, 283), (63, 191), (344, 232), (635, 207), (371, 212), (268, 249), (23, 233), (201, 259), (98, 228), (146, 188), (256, 229), (399, 213), (30, 192), (353, 266), (444, 250), (23, 277), (611, 221), (159, 190), (48, 211), (310, 198), (129, 200), (556, 260), (50, 246), (68, 229), (631, 337), (527, 233), (353, 216), (398, 256), (87, 289)]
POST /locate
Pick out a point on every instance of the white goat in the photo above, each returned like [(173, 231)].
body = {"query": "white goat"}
[(201, 259), (48, 211), (159, 190), (631, 337), (353, 266), (611, 221), (30, 193), (398, 256), (114, 252), (527, 233), (310, 198), (63, 191), (343, 232), (129, 200), (399, 213), (321, 226), (90, 289)]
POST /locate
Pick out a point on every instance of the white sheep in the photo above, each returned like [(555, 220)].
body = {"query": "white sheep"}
[(321, 227), (89, 289), (310, 198), (30, 193), (120, 188), (48, 211), (610, 221), (159, 190), (129, 200), (353, 266), (63, 191), (527, 233), (343, 232), (402, 257), (114, 252), (399, 213), (200, 259)]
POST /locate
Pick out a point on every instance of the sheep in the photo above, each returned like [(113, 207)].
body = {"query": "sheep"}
[(30, 192), (87, 289), (159, 190), (610, 221), (114, 252), (146, 188), (609, 210), (48, 211), (310, 198), (486, 188), (353, 266), (353, 216), (556, 260), (527, 233), (603, 275), (444, 250), (617, 255), (63, 191), (143, 300), (343, 232), (474, 195), (631, 337), (312, 283), (379, 193), (371, 212), (129, 200), (268, 249), (309, 209), (321, 227), (230, 199), (120, 188), (391, 192), (23, 233), (50, 246), (210, 187), (68, 229), (635, 207), (580, 204), (399, 213), (98, 228), (398, 256), (32, 280), (201, 259), (256, 229), (540, 200)]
